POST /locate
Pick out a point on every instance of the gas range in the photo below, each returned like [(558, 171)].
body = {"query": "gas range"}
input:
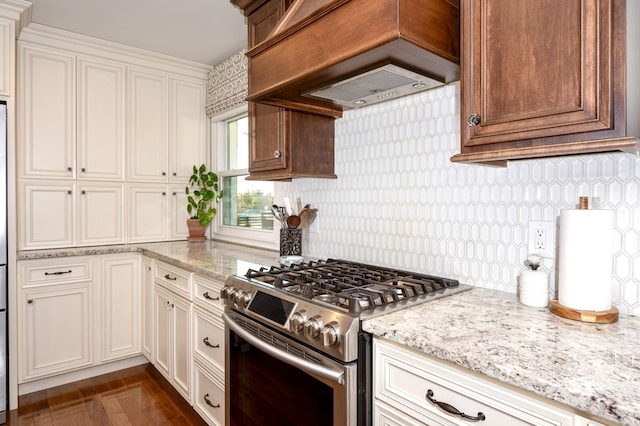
[(321, 303)]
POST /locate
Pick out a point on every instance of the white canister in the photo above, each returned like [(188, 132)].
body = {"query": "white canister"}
[(533, 288)]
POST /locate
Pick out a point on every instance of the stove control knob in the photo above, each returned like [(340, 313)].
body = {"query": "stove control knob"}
[(297, 321), (331, 334), (243, 299), (226, 292), (313, 327)]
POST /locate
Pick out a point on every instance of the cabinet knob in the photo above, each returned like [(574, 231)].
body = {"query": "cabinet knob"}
[(473, 120), (83, 170), (175, 174), (30, 302), (164, 193), (164, 173), (175, 193), (69, 169), (83, 192), (277, 154), (69, 192)]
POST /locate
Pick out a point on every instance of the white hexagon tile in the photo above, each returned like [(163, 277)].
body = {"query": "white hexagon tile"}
[(399, 202)]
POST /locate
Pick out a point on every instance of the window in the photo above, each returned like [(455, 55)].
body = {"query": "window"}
[(245, 214)]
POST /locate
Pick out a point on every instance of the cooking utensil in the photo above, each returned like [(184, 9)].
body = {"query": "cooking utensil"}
[(293, 221), (277, 212)]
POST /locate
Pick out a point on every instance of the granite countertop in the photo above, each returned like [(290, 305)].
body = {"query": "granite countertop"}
[(592, 367)]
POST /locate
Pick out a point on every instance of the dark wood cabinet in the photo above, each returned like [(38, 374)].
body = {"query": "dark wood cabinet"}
[(283, 143), (542, 78)]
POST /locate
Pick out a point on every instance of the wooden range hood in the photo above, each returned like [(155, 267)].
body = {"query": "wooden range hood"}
[(319, 43)]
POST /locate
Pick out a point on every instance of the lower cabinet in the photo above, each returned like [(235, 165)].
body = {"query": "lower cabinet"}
[(208, 350), (172, 339), (77, 312), (411, 388)]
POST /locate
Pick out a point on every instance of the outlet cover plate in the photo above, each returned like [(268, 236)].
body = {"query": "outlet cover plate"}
[(542, 239)]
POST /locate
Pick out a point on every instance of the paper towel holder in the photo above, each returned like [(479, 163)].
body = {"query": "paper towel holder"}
[(601, 317)]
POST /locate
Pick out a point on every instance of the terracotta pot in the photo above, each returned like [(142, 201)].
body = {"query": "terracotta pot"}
[(196, 231)]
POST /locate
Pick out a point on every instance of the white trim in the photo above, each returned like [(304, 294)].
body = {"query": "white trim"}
[(267, 239)]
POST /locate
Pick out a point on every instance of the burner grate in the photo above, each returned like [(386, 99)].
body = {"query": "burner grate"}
[(353, 286)]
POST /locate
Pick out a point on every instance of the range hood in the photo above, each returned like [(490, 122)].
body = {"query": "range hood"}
[(325, 56)]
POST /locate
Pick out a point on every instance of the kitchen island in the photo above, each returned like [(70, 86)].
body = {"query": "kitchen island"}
[(592, 367)]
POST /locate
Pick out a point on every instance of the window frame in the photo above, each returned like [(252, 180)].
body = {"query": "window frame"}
[(263, 238)]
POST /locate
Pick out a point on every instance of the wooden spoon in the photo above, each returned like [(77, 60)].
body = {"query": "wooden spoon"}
[(293, 221)]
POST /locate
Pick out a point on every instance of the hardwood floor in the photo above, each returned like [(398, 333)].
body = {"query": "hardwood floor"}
[(135, 396)]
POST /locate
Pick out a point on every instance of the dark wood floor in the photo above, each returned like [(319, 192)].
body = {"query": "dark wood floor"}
[(135, 396)]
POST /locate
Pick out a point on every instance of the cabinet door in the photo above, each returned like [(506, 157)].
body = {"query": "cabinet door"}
[(148, 312), (147, 126), (188, 128), (6, 50), (57, 331), (178, 214), (48, 214), (100, 120), (120, 307), (47, 113), (181, 310), (147, 213), (163, 331), (536, 72), (266, 138), (101, 214)]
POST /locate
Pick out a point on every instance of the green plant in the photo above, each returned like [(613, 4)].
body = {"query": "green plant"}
[(203, 193)]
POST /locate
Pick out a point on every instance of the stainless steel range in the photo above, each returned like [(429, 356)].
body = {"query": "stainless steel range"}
[(307, 319)]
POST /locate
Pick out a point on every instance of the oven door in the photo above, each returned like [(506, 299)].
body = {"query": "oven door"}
[(272, 379)]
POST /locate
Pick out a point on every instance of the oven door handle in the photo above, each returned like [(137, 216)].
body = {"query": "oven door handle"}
[(302, 364)]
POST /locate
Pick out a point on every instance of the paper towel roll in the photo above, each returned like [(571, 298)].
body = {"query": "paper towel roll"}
[(585, 259)]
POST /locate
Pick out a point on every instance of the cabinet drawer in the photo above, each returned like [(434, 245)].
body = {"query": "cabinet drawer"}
[(209, 396), (208, 332), (175, 279), (404, 377), (55, 271), (207, 293)]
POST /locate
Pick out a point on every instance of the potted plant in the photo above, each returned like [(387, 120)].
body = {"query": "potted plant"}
[(203, 194)]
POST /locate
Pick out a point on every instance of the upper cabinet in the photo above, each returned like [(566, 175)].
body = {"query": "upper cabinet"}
[(283, 143), (543, 81)]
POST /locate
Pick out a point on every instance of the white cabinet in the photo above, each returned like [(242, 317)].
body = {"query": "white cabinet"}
[(188, 128), (100, 213), (405, 381), (157, 212), (52, 121), (166, 130), (100, 128), (172, 339), (147, 126), (55, 317), (148, 207), (173, 326), (208, 350), (7, 31), (48, 214), (47, 115), (120, 302), (65, 213), (148, 313), (77, 312)]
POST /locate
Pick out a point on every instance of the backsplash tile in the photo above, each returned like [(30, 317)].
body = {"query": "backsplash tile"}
[(399, 201)]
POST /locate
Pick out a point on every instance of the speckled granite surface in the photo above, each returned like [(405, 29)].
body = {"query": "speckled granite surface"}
[(210, 258), (593, 367)]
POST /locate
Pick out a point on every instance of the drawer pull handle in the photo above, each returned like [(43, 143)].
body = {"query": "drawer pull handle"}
[(453, 410), (209, 403), (206, 342), (58, 273), (170, 278), (206, 296)]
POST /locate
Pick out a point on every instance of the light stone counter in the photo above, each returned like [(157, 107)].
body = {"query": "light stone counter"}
[(592, 367), (210, 258)]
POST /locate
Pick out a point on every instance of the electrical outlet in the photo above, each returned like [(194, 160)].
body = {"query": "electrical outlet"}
[(541, 238)]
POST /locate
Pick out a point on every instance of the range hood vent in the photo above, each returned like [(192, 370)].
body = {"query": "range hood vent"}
[(325, 56), (380, 84)]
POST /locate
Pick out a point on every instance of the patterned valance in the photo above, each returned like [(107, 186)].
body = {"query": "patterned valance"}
[(227, 87)]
